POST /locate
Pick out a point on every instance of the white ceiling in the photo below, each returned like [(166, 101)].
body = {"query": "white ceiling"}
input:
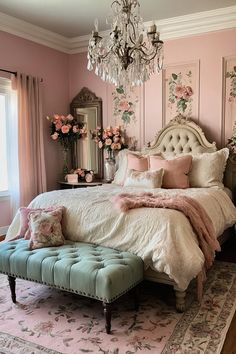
[(72, 18)]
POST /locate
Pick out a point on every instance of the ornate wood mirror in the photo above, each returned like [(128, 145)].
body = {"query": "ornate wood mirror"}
[(86, 107)]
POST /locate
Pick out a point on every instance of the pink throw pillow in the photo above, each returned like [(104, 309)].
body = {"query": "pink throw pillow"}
[(45, 228), (24, 226), (175, 171), (137, 162), (24, 231)]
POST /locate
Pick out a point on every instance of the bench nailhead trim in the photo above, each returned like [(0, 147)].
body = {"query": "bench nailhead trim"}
[(76, 291)]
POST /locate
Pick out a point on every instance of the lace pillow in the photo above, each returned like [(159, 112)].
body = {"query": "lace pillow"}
[(45, 228), (208, 169), (175, 170), (146, 179)]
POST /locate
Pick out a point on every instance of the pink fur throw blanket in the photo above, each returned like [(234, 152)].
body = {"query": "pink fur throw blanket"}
[(199, 219)]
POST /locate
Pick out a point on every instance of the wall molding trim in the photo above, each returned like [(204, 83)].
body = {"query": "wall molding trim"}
[(172, 28), (3, 230)]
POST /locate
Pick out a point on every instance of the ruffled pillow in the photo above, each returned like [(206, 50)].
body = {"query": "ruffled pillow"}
[(146, 179), (24, 222), (175, 171), (45, 228), (208, 169)]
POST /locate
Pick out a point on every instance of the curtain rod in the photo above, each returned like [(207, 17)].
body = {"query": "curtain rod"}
[(8, 71), (14, 73)]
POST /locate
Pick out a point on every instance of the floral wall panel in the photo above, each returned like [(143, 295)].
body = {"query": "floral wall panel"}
[(229, 98), (126, 113), (181, 91)]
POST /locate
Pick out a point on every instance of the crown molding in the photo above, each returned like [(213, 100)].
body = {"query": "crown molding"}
[(33, 33), (197, 23), (172, 28)]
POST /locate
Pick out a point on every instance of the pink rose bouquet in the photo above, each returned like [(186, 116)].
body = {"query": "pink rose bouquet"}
[(66, 129), (182, 94), (111, 139)]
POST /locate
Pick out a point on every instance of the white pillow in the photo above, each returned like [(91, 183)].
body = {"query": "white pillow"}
[(208, 169), (122, 163), (146, 179)]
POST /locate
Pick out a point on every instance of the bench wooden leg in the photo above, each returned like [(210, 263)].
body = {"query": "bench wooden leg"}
[(12, 283), (136, 297), (107, 314)]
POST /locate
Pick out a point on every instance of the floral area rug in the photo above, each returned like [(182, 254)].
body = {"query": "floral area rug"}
[(47, 320)]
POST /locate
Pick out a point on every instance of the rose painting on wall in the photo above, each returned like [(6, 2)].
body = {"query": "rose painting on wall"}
[(181, 91), (229, 98), (125, 111)]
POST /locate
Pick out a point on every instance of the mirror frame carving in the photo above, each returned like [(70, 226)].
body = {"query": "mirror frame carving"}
[(86, 99)]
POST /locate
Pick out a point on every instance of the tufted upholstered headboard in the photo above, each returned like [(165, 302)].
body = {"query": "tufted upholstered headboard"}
[(180, 136), (183, 136)]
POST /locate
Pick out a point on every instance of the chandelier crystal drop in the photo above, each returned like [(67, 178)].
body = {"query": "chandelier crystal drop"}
[(128, 56)]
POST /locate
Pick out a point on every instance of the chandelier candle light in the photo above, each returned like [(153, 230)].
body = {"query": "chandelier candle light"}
[(127, 56)]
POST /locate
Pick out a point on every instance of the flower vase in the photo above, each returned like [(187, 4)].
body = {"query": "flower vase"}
[(110, 166), (65, 162)]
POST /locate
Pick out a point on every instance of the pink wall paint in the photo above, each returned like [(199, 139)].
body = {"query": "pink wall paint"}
[(207, 48), (5, 212), (64, 76), (52, 67)]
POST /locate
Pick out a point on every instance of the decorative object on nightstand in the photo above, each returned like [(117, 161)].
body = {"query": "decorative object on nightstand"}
[(112, 140), (66, 130), (80, 175), (71, 178)]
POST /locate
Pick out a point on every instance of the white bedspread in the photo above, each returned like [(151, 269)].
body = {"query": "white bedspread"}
[(163, 238)]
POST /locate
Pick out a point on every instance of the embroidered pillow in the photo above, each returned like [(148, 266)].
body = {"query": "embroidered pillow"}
[(146, 179), (45, 228), (24, 222), (208, 169), (175, 171)]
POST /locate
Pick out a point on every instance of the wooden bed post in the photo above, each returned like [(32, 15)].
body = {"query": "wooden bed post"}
[(180, 299), (12, 283)]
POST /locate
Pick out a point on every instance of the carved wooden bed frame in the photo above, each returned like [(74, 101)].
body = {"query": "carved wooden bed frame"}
[(182, 135)]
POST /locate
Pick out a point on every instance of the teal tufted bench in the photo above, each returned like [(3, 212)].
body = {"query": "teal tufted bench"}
[(94, 271)]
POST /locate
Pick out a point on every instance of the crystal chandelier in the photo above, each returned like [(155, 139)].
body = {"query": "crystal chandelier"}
[(127, 56)]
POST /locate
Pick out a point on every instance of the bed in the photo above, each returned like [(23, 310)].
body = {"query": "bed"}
[(169, 249)]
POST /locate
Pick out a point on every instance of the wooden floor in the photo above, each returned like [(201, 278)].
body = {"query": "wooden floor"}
[(228, 254)]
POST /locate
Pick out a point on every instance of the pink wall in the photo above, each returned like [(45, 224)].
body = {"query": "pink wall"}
[(52, 66), (5, 212), (64, 75), (207, 48)]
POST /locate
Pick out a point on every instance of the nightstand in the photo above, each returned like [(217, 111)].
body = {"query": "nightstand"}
[(67, 185)]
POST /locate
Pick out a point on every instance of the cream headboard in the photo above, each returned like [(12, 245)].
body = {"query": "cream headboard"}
[(181, 136)]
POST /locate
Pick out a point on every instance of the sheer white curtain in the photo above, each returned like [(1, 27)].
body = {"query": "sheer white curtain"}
[(12, 158), (12, 142)]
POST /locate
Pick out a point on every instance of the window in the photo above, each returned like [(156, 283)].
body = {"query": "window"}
[(7, 110), (3, 144)]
